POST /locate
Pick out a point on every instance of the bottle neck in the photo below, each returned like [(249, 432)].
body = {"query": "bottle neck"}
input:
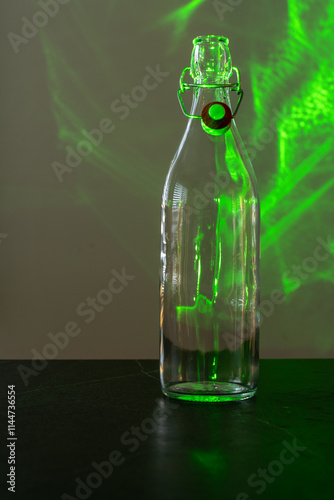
[(204, 95)]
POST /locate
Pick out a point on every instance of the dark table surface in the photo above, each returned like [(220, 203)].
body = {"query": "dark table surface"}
[(103, 430)]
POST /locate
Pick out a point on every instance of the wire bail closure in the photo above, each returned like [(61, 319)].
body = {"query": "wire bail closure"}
[(187, 86)]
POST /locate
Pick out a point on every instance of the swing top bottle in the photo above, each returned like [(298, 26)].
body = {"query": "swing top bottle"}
[(210, 221)]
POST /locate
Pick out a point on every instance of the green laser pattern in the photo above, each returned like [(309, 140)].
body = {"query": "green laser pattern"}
[(298, 188)]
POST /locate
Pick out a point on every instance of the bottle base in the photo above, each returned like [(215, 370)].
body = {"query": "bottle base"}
[(208, 391)]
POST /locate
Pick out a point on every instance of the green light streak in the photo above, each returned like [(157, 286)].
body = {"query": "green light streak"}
[(201, 314), (277, 231), (78, 112), (287, 184), (181, 17)]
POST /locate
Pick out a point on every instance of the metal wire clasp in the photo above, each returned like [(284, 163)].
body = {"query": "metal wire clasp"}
[(187, 86)]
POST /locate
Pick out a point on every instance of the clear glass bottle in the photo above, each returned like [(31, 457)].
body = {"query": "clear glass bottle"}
[(209, 282)]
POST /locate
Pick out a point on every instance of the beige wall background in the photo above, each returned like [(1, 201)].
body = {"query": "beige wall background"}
[(68, 228)]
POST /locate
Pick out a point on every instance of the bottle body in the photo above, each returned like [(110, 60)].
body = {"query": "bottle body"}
[(209, 277)]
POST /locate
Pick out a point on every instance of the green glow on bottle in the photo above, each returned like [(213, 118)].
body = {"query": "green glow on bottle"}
[(213, 131), (200, 314), (217, 112), (210, 398), (218, 259)]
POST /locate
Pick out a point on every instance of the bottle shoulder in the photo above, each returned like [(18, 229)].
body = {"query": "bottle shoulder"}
[(219, 165)]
